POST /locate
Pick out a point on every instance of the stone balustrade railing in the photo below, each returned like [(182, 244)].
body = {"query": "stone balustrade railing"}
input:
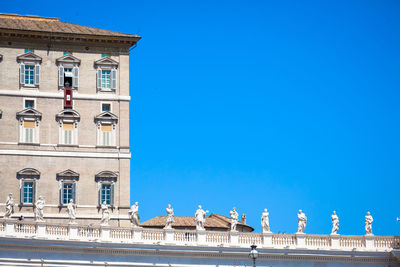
[(42, 230)]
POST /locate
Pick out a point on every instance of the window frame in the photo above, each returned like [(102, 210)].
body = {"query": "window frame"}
[(29, 59), (107, 64), (29, 115), (106, 178), (28, 175), (68, 61), (106, 119), (69, 116), (67, 177), (25, 99)]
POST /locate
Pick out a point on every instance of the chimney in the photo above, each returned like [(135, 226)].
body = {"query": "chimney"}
[(244, 218)]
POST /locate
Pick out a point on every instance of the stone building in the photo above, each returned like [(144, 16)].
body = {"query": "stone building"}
[(64, 126)]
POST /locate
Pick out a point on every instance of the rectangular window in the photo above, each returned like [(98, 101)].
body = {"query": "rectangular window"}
[(29, 103), (106, 194), (68, 131), (68, 193), (105, 107), (29, 126), (105, 79), (105, 55), (29, 74), (106, 135), (67, 53), (28, 193), (27, 50)]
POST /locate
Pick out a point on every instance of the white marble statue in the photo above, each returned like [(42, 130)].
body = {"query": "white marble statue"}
[(335, 223), (368, 223), (9, 206), (134, 214), (170, 217), (234, 219), (105, 214), (265, 221), (71, 209), (200, 218), (302, 222), (39, 206)]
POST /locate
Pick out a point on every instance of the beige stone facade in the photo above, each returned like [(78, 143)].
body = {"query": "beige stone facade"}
[(41, 138)]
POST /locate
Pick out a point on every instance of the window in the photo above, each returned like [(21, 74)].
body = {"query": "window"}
[(106, 122), (28, 50), (68, 180), (106, 193), (29, 74), (29, 103), (106, 74), (68, 71), (29, 119), (29, 69), (105, 55), (106, 181), (27, 193), (105, 79), (28, 178), (68, 126), (106, 135), (105, 107), (29, 127)]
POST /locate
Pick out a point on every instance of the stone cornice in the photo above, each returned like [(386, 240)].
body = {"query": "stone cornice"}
[(141, 251)]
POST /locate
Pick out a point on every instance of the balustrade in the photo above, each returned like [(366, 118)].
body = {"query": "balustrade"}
[(116, 234), (217, 237), (250, 238), (57, 230), (185, 236), (121, 233), (152, 235), (283, 240)]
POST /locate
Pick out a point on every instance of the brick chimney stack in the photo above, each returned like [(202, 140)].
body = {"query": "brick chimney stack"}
[(244, 218)]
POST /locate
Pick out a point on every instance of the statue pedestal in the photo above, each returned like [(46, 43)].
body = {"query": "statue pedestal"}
[(300, 240), (234, 238), (105, 232), (169, 235), (40, 229), (9, 226), (267, 239), (201, 237), (335, 244), (137, 234), (73, 230), (369, 241)]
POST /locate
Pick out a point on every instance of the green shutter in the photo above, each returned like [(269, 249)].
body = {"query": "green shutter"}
[(22, 73)]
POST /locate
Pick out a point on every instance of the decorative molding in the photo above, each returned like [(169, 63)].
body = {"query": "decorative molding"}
[(106, 116), (68, 59), (28, 173), (29, 113), (60, 95), (67, 175), (29, 57), (67, 154), (108, 176), (106, 62)]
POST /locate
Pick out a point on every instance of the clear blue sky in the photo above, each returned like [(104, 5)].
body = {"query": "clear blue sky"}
[(283, 105)]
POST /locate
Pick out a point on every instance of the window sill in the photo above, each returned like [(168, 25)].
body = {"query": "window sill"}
[(28, 144), (29, 86), (106, 90), (26, 205), (99, 146), (67, 145)]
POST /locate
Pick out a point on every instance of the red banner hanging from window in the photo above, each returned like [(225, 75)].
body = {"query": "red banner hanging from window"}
[(67, 97)]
